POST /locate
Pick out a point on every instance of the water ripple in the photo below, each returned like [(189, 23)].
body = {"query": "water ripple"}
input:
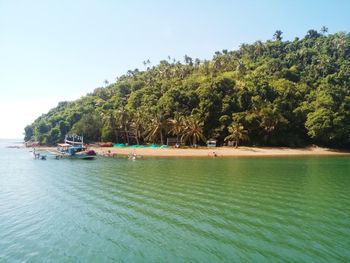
[(196, 210)]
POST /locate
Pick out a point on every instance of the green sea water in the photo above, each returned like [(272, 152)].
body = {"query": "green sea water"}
[(293, 209)]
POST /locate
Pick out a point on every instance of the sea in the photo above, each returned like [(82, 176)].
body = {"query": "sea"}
[(265, 209)]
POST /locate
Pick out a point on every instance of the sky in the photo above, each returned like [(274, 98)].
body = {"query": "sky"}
[(52, 51)]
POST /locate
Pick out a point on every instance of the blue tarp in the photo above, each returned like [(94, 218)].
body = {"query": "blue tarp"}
[(140, 146), (119, 145)]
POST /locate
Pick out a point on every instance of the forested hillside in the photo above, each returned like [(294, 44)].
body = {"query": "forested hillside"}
[(278, 93)]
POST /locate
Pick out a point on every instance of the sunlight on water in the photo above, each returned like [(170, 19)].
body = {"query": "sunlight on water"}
[(170, 210)]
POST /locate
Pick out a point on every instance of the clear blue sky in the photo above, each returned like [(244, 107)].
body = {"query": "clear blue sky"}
[(60, 50)]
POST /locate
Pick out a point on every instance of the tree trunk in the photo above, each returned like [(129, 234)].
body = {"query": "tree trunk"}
[(265, 139), (161, 138), (116, 136), (127, 135)]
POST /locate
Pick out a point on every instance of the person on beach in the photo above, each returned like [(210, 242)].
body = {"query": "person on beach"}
[(132, 156), (214, 154)]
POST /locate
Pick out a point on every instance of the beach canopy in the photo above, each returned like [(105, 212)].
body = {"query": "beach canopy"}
[(211, 143)]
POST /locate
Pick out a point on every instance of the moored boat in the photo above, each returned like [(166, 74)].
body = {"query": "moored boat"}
[(73, 147)]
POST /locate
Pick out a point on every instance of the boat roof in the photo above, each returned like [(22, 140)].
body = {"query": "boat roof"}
[(63, 145)]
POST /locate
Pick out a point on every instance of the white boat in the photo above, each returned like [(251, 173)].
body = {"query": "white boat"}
[(73, 147)]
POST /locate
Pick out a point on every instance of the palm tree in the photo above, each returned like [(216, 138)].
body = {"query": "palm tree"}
[(197, 62), (270, 120), (177, 126), (237, 133), (241, 68), (123, 120), (188, 60), (259, 48), (324, 30), (137, 126), (108, 119), (158, 126), (193, 130), (278, 35), (339, 41)]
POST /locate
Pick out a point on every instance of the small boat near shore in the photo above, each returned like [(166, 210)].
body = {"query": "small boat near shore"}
[(73, 147)]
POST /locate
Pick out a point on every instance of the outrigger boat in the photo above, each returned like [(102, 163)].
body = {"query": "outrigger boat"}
[(73, 147)]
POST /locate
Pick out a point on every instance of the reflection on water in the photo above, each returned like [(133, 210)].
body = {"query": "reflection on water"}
[(198, 210)]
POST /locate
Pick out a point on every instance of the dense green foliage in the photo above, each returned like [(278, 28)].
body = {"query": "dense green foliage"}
[(285, 93)]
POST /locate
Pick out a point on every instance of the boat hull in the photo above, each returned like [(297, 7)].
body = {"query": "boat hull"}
[(75, 156), (83, 157)]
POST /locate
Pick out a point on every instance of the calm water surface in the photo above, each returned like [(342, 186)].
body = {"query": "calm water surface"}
[(174, 210)]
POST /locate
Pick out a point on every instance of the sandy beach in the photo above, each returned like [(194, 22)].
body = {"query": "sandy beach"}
[(218, 151)]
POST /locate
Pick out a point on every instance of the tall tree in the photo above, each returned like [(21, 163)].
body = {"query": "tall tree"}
[(177, 126), (138, 126), (193, 130), (157, 128), (123, 120), (237, 134), (324, 30), (278, 35)]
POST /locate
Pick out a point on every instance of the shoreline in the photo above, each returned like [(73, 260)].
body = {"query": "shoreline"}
[(223, 151), (218, 152)]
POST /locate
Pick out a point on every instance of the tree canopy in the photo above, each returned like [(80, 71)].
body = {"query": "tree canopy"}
[(280, 93)]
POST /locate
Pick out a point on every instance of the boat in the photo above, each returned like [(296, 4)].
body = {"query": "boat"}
[(73, 147)]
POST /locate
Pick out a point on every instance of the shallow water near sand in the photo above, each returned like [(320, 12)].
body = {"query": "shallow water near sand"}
[(294, 209)]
